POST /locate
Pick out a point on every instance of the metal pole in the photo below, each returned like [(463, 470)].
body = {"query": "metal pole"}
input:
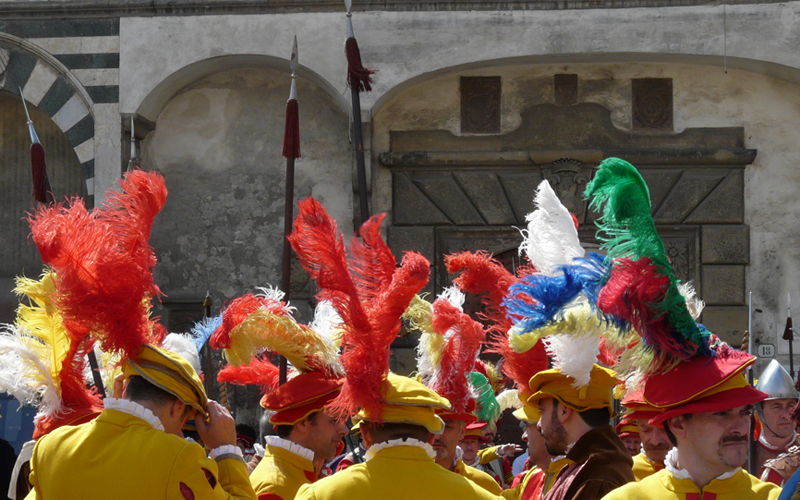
[(286, 270), (358, 146), (751, 455)]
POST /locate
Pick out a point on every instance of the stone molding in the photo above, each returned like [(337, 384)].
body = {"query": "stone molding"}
[(31, 9)]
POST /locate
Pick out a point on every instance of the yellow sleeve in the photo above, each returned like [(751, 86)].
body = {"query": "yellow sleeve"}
[(488, 454), (306, 492), (207, 479), (513, 493)]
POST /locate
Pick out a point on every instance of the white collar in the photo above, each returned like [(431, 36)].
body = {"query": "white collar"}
[(375, 448), (762, 438), (459, 454), (135, 409), (671, 464), (290, 446)]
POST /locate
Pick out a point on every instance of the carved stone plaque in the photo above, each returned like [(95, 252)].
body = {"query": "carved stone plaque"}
[(652, 103), (566, 89), (480, 104), (568, 178)]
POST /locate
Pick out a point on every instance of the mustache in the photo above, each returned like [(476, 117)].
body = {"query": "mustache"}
[(734, 439), (657, 447)]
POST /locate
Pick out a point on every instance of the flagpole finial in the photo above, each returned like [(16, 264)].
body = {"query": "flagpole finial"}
[(293, 61), (133, 140), (348, 4), (31, 130)]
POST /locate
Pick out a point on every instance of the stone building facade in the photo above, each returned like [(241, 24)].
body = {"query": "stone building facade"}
[(473, 104)]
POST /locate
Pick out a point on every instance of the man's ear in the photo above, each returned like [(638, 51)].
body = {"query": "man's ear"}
[(564, 413), (677, 425), (177, 408), (463, 431), (366, 436)]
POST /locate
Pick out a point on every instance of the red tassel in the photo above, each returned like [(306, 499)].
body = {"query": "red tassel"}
[(41, 184), (291, 134), (358, 77)]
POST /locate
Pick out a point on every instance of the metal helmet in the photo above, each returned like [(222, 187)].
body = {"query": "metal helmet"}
[(777, 382)]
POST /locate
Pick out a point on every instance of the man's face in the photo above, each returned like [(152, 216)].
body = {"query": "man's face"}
[(470, 448), (555, 436), (632, 444), (718, 440), (655, 442), (778, 417), (536, 447), (445, 443), (326, 434), (488, 435)]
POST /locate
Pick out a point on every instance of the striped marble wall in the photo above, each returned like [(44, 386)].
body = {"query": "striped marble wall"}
[(66, 68)]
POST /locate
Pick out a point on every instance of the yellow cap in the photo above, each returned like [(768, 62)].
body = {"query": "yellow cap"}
[(170, 372), (528, 413), (554, 384), (407, 401)]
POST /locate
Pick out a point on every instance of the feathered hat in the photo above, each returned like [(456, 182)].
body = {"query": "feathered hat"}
[(642, 295), (448, 349), (255, 326), (104, 283), (40, 364), (370, 293)]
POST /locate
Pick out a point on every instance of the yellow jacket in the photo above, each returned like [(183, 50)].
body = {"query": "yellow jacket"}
[(396, 472), (664, 486), (282, 472), (530, 488), (478, 477), (124, 457), (644, 467)]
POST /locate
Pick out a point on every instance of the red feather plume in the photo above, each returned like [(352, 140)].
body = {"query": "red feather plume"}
[(480, 273), (370, 305), (103, 262), (459, 355), (260, 372), (519, 367)]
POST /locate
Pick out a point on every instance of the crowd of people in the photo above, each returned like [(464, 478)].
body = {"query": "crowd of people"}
[(619, 393)]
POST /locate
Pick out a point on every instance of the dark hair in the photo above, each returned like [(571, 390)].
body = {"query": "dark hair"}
[(139, 390), (283, 431), (670, 435), (594, 418), (388, 431)]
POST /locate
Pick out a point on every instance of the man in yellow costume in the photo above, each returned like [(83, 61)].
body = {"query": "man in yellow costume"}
[(708, 421), (306, 434), (400, 462), (135, 448), (655, 442)]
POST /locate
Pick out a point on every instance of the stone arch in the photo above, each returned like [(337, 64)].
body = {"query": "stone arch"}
[(51, 87), (162, 93)]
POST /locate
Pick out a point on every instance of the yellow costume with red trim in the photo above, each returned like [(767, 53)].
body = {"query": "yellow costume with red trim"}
[(282, 471), (399, 472), (530, 488), (664, 485), (644, 467), (122, 456), (478, 477)]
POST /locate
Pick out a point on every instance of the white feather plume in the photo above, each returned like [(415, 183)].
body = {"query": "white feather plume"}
[(327, 322), (551, 238), (693, 302), (183, 345), (25, 373), (455, 296), (574, 354)]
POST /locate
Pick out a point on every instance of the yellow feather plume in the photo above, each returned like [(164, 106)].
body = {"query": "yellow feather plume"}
[(281, 334), (419, 315), (42, 320)]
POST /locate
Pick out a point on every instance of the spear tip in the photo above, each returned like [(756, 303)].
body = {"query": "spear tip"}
[(348, 4), (294, 59)]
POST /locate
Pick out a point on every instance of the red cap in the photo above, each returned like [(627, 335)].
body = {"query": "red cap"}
[(300, 397)]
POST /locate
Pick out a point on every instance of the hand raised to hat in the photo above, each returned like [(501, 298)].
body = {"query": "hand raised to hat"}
[(220, 427)]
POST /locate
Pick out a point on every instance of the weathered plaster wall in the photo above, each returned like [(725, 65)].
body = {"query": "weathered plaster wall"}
[(767, 108), (218, 144), (408, 45)]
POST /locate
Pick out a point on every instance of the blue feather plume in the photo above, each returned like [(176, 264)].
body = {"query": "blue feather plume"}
[(203, 329)]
